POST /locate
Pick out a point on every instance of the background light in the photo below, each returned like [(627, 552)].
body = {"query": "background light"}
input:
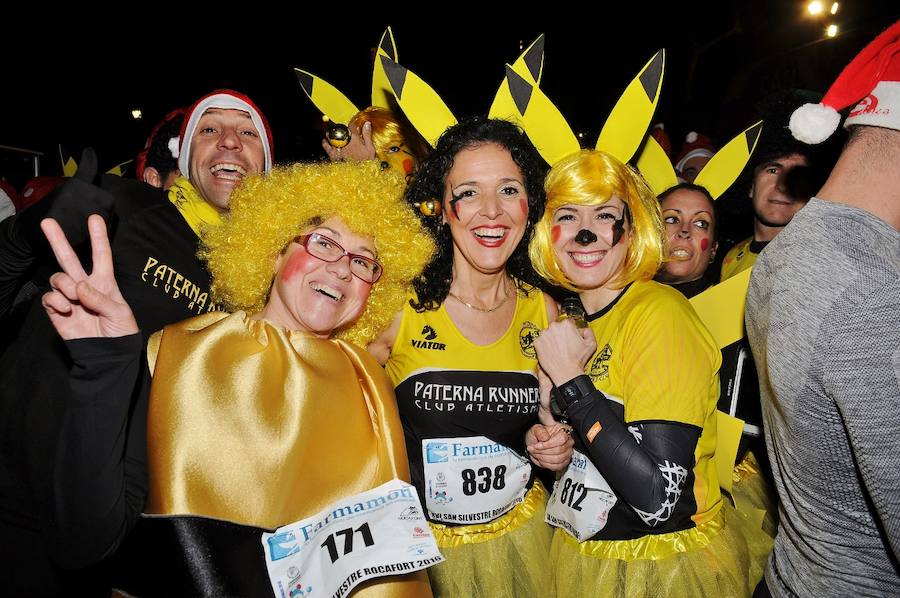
[(814, 7), (831, 31), (136, 114), (834, 8)]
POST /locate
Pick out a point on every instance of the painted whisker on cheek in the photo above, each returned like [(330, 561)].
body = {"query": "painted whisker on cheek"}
[(618, 230), (453, 201)]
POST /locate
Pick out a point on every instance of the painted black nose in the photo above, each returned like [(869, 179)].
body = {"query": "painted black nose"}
[(585, 237)]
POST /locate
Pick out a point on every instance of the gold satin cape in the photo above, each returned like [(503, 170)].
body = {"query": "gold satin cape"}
[(261, 426)]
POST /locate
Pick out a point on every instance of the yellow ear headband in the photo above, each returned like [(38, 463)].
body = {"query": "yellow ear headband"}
[(332, 103), (621, 134), (70, 166), (428, 113), (716, 177)]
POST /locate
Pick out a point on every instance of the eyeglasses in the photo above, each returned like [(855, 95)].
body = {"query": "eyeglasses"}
[(328, 250)]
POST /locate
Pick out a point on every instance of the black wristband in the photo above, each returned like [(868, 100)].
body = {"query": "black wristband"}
[(567, 394)]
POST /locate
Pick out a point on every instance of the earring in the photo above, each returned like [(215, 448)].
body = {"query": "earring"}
[(429, 207)]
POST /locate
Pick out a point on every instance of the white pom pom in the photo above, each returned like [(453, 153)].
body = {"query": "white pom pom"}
[(173, 147), (814, 123), (691, 137)]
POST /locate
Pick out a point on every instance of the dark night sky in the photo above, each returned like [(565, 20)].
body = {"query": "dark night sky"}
[(721, 59)]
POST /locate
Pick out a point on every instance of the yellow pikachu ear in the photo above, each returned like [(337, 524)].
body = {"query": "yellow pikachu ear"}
[(119, 169), (654, 165), (381, 92), (725, 324), (628, 122), (542, 121), (327, 98), (530, 66), (726, 165), (422, 106), (69, 165)]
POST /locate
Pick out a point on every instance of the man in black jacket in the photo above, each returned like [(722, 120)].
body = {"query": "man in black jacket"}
[(154, 237)]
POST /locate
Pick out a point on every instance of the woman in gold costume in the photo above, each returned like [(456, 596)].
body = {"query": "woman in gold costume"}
[(254, 419)]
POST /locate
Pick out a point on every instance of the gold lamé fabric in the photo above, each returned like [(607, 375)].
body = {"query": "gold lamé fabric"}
[(261, 426)]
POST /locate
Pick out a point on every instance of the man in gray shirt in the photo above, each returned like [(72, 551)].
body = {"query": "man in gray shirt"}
[(823, 318)]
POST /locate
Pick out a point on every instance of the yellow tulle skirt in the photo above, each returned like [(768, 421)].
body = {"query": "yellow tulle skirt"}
[(719, 558), (504, 558), (757, 505)]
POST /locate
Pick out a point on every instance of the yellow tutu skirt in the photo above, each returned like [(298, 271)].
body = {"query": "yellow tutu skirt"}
[(757, 505), (504, 558), (712, 560)]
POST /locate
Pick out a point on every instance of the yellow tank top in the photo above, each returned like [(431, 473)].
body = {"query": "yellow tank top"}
[(656, 361), (449, 387)]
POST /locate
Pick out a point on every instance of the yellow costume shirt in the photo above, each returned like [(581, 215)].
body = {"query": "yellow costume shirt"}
[(738, 259), (658, 362)]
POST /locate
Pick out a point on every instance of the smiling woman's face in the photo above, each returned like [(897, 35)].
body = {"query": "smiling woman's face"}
[(690, 233), (312, 295), (588, 248), (486, 206)]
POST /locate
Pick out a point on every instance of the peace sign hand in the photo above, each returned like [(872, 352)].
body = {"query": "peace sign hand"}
[(81, 305)]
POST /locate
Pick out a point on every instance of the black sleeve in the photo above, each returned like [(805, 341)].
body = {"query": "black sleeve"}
[(22, 242), (647, 463), (101, 465)]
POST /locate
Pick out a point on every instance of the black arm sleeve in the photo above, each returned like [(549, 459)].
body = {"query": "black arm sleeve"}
[(22, 242), (647, 466), (101, 466)]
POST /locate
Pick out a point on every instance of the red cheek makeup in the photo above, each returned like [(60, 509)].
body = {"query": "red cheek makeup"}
[(299, 261)]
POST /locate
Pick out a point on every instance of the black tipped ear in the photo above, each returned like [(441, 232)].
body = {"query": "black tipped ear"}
[(396, 75), (387, 44), (752, 134), (652, 74), (306, 81), (534, 57), (519, 89)]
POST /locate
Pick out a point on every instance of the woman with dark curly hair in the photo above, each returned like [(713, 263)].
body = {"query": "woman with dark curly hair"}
[(461, 357)]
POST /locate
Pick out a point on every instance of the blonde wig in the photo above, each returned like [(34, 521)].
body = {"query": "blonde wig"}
[(268, 211), (390, 129), (591, 178)]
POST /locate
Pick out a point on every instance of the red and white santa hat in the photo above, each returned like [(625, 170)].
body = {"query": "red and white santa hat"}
[(695, 145), (226, 99), (874, 76), (173, 143)]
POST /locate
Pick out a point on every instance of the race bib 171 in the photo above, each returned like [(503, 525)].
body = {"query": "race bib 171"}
[(375, 533)]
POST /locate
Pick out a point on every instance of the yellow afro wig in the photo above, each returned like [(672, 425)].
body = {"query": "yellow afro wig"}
[(268, 211), (592, 178)]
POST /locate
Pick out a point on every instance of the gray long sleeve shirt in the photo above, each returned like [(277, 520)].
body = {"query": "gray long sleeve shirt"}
[(823, 318)]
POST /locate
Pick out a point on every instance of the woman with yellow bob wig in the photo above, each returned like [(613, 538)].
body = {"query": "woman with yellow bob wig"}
[(254, 419), (638, 512)]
